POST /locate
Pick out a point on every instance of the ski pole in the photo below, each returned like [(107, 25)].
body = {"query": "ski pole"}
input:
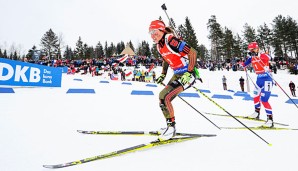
[(195, 109), (247, 82), (229, 114), (251, 80), (163, 7)]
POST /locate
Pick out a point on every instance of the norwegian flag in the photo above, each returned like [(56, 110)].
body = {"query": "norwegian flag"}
[(123, 59)]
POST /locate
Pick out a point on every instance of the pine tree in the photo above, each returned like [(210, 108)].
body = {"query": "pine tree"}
[(143, 49), (264, 37), (155, 52), (79, 50), (131, 46), (68, 54), (109, 50), (106, 49), (120, 47), (203, 53), (30, 54), (49, 42), (5, 54), (190, 36), (279, 36), (238, 48), (1, 54), (89, 51), (99, 50), (249, 34), (15, 56), (182, 32), (292, 35), (227, 43), (215, 36)]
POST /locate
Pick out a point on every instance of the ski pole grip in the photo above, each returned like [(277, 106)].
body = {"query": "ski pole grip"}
[(197, 72)]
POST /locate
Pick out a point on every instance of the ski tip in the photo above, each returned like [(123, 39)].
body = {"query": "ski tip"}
[(270, 144), (47, 166)]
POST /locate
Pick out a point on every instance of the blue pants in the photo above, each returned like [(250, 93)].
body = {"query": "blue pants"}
[(262, 92)]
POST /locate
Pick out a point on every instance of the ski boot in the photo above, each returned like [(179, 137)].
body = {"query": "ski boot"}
[(269, 123), (255, 115), (168, 132)]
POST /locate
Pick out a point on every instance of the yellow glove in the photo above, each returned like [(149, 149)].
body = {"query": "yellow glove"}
[(160, 79), (185, 78)]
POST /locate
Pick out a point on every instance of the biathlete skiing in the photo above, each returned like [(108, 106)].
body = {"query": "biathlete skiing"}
[(182, 59), (264, 82)]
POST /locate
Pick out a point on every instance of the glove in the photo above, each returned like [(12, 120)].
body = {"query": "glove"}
[(274, 83), (160, 79), (254, 54), (267, 69), (185, 78)]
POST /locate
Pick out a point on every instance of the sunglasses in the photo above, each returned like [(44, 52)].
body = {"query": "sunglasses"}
[(153, 32), (251, 50)]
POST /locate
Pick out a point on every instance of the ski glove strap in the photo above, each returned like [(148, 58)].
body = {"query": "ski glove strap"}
[(160, 79), (185, 78)]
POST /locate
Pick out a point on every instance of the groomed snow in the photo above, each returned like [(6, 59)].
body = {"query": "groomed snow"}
[(38, 126)]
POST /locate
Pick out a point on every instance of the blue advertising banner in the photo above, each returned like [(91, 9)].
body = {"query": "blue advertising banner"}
[(19, 73), (64, 69)]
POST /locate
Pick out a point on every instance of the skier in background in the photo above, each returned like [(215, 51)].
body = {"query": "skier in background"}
[(264, 82), (182, 59)]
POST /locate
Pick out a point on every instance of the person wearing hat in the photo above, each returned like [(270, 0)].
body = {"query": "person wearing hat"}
[(241, 80), (292, 88), (181, 58), (264, 82)]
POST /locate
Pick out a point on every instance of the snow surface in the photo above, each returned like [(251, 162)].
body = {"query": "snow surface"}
[(38, 126)]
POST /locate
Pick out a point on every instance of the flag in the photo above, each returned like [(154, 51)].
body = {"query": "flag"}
[(123, 59), (151, 67), (114, 76), (128, 74)]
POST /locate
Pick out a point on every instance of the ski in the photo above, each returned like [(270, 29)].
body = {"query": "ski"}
[(122, 151), (260, 128), (154, 133), (244, 117)]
